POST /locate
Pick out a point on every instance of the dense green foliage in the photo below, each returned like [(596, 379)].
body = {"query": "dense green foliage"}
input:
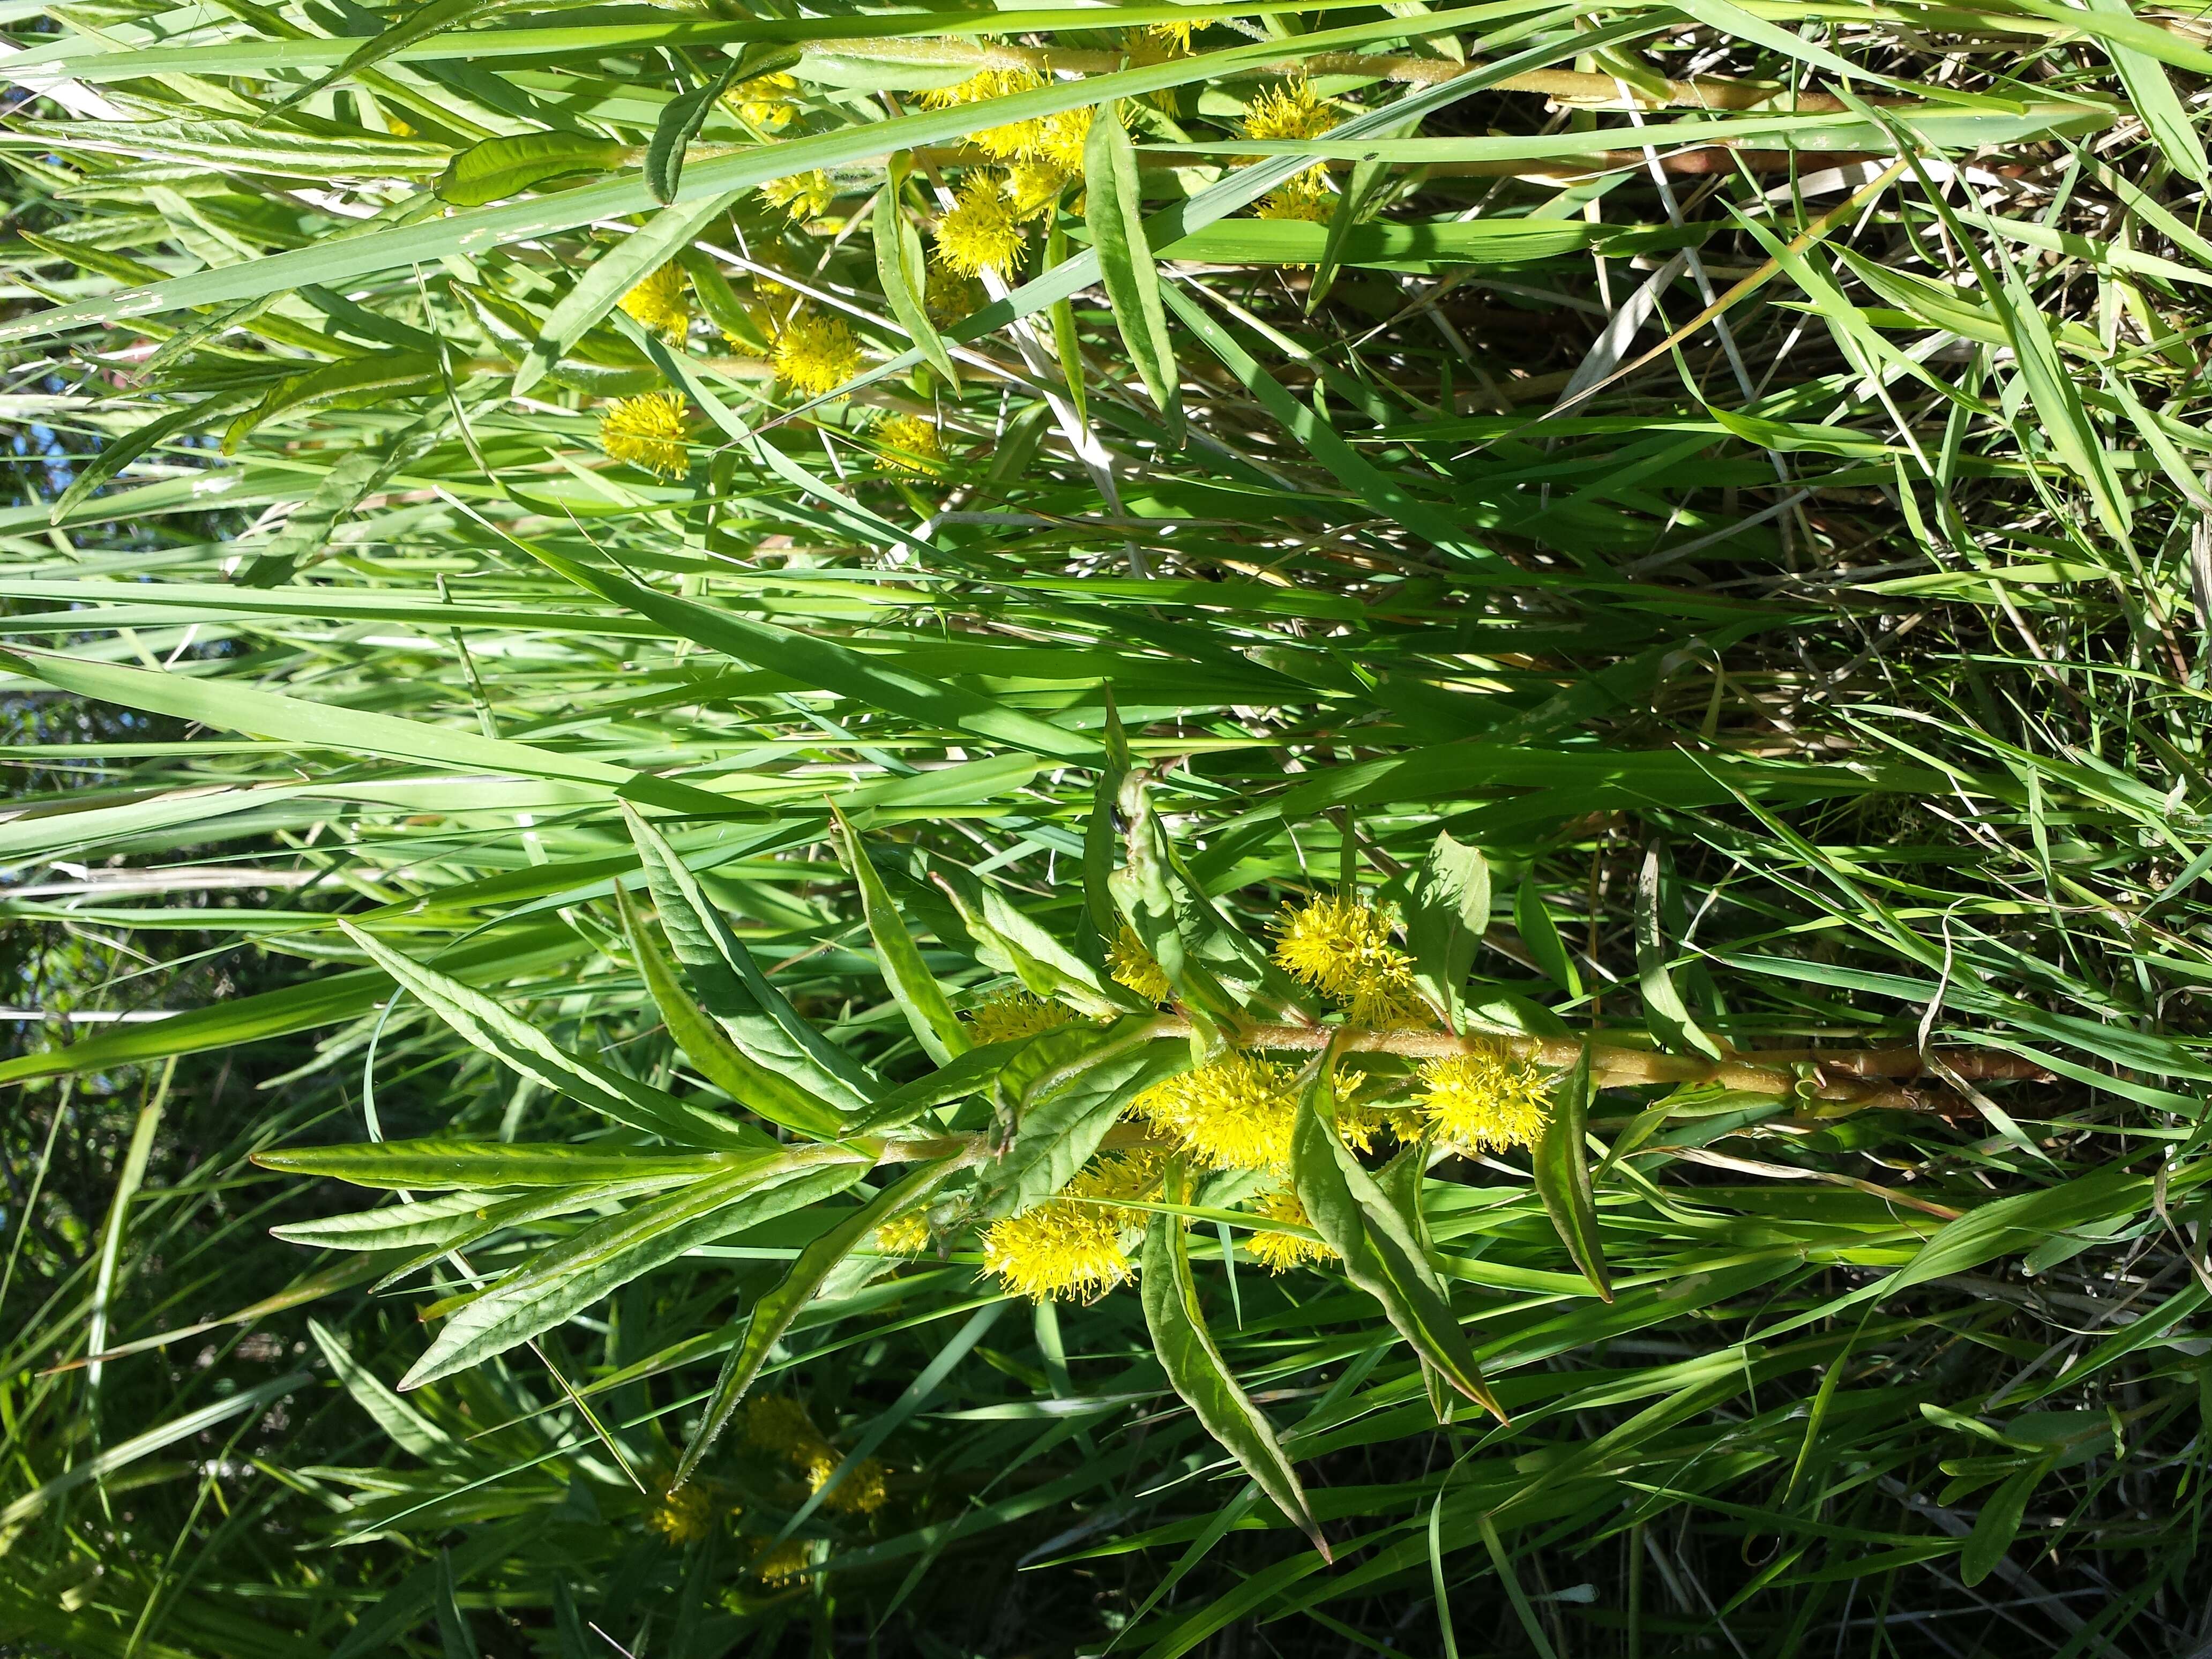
[(602, 589)]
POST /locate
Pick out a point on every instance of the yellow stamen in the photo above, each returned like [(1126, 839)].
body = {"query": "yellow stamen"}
[(1069, 1248), (683, 1517), (658, 302), (911, 444), (1234, 1113), (1280, 1252), (1342, 949), (1014, 1014), (803, 194), (815, 355), (1487, 1097), (646, 432), (1132, 964), (981, 233)]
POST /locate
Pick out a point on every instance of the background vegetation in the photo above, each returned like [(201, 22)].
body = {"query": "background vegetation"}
[(1737, 463)]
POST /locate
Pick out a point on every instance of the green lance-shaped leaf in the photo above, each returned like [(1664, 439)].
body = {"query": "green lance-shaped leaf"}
[(500, 167), (1446, 916), (1218, 971), (720, 302), (1381, 1251), (405, 1428), (759, 1018), (563, 1281), (1664, 1010), (612, 275), (1114, 208), (900, 266), (680, 121), (353, 383), (772, 1315), (1102, 836), (1066, 343), (920, 997), (776, 1096), (1197, 1372), (118, 453), (1541, 934), (1008, 940), (522, 1046), (1562, 1178), (479, 1166), (1999, 1522), (2163, 114), (1055, 1097)]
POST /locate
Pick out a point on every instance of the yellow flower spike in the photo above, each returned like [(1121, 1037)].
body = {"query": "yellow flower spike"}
[(1233, 1114), (1291, 111), (981, 234), (1133, 965), (911, 444), (769, 101), (948, 295), (683, 1517), (1011, 142), (983, 87), (1280, 1252), (1066, 1248), (1033, 186), (1176, 34), (804, 196), (815, 355), (1060, 138), (1307, 196), (1342, 949), (903, 1235), (648, 432), (1358, 1126), (785, 1561), (777, 1423), (861, 1493), (1014, 1014), (1487, 1097), (658, 302)]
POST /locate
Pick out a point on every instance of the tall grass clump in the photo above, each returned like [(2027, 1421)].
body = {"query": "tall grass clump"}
[(1161, 830)]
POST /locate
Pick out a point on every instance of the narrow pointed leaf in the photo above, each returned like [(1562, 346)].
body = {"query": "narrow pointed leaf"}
[(1197, 1372)]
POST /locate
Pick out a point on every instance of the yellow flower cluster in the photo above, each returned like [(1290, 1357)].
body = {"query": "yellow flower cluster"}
[(1292, 112), (1307, 196), (1133, 965), (1070, 1246), (1057, 138), (766, 100), (783, 1562), (804, 196), (911, 444), (949, 295), (647, 431), (904, 1235), (1235, 1113), (683, 1517), (1487, 1097), (1011, 1015), (1342, 949), (1280, 1252), (777, 1423), (659, 303), (979, 233), (815, 355)]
